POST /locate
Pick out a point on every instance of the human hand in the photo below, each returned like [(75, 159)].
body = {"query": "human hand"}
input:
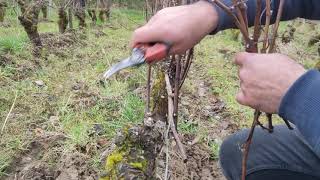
[(182, 26), (265, 78)]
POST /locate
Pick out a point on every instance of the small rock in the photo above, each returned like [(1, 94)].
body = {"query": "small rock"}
[(102, 142), (148, 122), (54, 120), (98, 129), (119, 139), (207, 107), (134, 133), (217, 117), (39, 83), (202, 90)]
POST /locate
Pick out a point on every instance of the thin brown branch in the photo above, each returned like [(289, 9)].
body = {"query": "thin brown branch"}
[(171, 121), (241, 27), (241, 10), (269, 117), (264, 127), (187, 66), (248, 143), (257, 28), (288, 124), (176, 91), (267, 24), (148, 88), (275, 27)]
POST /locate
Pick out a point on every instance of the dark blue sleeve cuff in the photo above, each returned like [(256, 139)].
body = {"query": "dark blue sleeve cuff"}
[(301, 106), (294, 8), (225, 20)]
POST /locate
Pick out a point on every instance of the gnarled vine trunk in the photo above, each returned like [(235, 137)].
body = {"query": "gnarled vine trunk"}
[(3, 6), (70, 19), (44, 10), (79, 12), (63, 20), (29, 20), (104, 7), (93, 16)]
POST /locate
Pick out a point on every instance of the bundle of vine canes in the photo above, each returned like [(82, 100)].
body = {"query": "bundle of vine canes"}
[(261, 35)]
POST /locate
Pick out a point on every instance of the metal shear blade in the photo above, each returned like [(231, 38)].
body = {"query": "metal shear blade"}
[(135, 59)]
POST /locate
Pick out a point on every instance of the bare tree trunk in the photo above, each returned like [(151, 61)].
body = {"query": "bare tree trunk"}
[(63, 20), (70, 19), (104, 7), (44, 11), (29, 20), (93, 16), (80, 13), (3, 6)]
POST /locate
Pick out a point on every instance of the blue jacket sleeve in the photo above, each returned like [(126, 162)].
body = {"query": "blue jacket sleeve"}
[(308, 9), (301, 106)]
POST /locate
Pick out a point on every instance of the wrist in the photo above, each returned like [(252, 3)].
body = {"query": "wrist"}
[(208, 15)]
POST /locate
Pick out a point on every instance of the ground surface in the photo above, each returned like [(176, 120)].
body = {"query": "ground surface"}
[(64, 117)]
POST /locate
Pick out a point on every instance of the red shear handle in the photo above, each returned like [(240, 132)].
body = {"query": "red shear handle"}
[(154, 53)]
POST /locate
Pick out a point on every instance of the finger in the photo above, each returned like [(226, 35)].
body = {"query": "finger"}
[(241, 58), (146, 34), (241, 98)]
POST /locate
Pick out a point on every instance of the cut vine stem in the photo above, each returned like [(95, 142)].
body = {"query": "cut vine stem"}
[(171, 119), (248, 143)]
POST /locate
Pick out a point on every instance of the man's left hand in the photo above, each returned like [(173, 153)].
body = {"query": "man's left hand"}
[(265, 79)]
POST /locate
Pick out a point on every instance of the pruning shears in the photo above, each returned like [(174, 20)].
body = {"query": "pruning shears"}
[(142, 53)]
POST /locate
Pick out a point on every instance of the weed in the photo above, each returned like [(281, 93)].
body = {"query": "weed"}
[(187, 127), (215, 148), (12, 44)]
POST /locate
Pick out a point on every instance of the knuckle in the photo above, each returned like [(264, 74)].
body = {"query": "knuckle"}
[(136, 32), (242, 74), (240, 58)]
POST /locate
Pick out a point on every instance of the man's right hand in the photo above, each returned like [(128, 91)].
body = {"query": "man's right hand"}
[(182, 26)]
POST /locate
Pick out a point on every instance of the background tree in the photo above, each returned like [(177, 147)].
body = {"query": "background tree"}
[(44, 9), (62, 14), (79, 12), (3, 5), (104, 7), (91, 8)]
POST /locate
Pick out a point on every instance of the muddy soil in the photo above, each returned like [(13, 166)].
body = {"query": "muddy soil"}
[(34, 163), (61, 44)]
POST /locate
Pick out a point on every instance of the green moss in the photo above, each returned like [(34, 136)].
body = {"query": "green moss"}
[(137, 165), (113, 160)]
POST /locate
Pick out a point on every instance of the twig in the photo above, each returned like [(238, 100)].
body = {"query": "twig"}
[(235, 18), (148, 88), (257, 28), (269, 117), (12, 106), (267, 24), (170, 118), (276, 26), (288, 124), (187, 66), (176, 91), (242, 15), (248, 143), (167, 151)]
